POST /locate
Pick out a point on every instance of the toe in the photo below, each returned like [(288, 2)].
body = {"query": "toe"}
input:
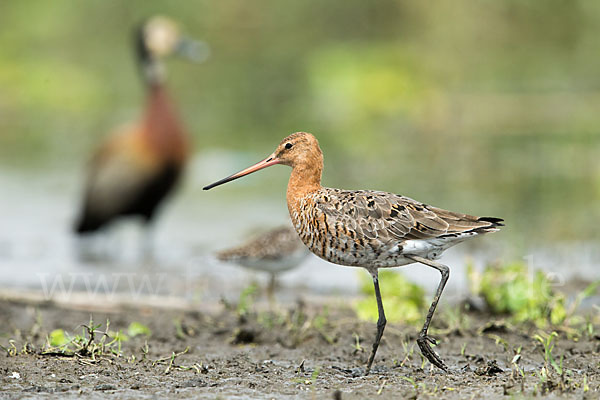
[(430, 354)]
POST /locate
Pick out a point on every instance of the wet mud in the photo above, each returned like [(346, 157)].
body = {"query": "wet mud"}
[(298, 351)]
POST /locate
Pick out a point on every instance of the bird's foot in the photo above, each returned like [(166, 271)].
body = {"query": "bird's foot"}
[(424, 341)]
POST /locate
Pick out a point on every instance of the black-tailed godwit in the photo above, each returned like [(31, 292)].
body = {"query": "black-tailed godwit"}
[(368, 229)]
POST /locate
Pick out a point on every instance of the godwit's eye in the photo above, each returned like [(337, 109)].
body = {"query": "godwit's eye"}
[(288, 146)]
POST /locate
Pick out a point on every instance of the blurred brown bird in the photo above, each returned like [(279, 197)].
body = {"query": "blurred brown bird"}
[(133, 171), (275, 251)]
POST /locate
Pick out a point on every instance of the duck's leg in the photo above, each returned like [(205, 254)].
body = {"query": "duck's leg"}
[(381, 321), (424, 339), (147, 242)]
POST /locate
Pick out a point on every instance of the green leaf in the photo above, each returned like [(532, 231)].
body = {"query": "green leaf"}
[(58, 338), (247, 299), (403, 301), (118, 336), (137, 328), (558, 314), (524, 294), (590, 290)]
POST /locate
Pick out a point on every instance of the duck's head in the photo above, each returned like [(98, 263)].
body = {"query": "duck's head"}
[(298, 150), (160, 37)]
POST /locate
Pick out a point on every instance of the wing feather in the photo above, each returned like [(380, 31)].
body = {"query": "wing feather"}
[(390, 217)]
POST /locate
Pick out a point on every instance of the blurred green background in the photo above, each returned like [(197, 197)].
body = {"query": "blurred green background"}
[(488, 107)]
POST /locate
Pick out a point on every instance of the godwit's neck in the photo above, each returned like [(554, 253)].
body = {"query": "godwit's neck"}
[(304, 180)]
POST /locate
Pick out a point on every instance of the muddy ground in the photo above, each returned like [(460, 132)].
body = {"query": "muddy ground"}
[(303, 350)]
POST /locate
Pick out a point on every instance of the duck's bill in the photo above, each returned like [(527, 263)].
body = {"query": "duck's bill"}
[(194, 50), (267, 162)]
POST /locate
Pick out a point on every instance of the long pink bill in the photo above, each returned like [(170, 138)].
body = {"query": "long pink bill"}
[(267, 162)]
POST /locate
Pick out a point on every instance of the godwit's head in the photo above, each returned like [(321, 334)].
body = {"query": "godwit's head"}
[(300, 151)]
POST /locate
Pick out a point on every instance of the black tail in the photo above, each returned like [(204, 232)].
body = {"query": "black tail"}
[(493, 220)]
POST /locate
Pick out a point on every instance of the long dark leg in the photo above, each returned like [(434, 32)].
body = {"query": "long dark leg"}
[(381, 321), (424, 339)]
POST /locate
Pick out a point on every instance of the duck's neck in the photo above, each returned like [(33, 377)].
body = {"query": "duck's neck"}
[(153, 74), (163, 130), (304, 180), (152, 70)]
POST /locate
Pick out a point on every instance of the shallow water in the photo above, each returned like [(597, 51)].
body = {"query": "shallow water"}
[(38, 251)]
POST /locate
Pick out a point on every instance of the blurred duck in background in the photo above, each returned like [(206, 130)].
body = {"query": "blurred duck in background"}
[(135, 169), (275, 251)]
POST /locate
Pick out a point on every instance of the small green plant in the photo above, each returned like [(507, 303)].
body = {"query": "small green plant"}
[(116, 338), (552, 367), (268, 320), (321, 324), (517, 371), (309, 381), (414, 385), (145, 349), (520, 292), (297, 324), (170, 361), (87, 344), (58, 338), (247, 298), (499, 341), (313, 376), (408, 351), (137, 328), (11, 351), (179, 332), (547, 341), (421, 387), (404, 301)]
